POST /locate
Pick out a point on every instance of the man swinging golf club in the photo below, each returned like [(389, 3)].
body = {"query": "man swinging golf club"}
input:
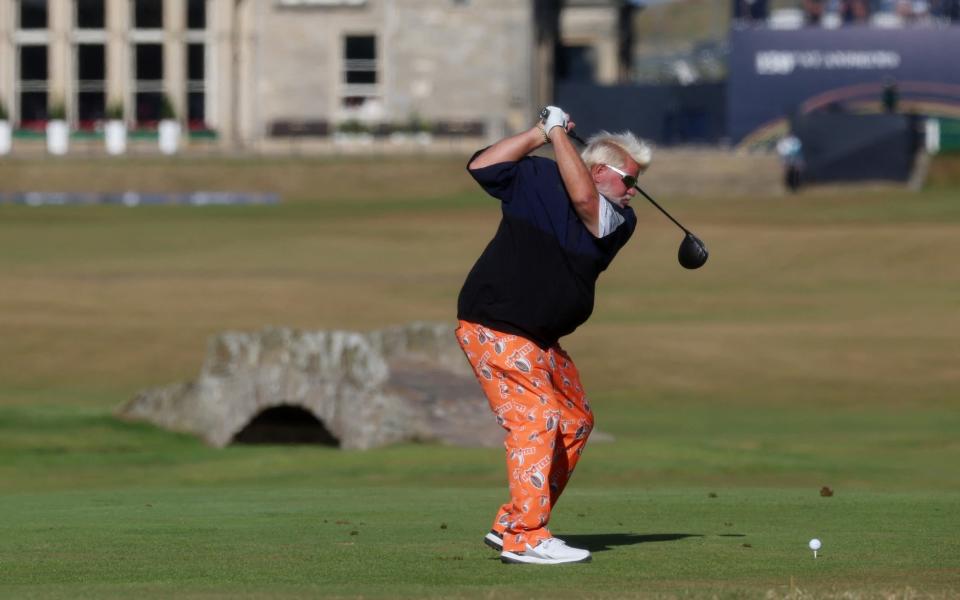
[(563, 222)]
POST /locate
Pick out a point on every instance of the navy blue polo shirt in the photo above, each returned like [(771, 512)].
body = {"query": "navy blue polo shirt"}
[(537, 276)]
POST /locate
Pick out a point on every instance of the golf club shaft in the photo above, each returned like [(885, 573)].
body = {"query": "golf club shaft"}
[(654, 202), (637, 187)]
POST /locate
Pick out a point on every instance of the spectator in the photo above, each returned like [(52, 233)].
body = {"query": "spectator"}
[(890, 95), (905, 10), (790, 150), (814, 11), (939, 9), (854, 11), (750, 10)]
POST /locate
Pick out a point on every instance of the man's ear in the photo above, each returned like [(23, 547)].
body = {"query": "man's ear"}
[(595, 171)]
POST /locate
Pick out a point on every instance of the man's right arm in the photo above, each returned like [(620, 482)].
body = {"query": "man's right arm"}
[(509, 149)]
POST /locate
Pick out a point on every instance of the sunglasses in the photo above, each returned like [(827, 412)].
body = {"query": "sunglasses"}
[(628, 180)]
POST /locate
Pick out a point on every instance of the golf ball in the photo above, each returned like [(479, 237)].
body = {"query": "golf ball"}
[(814, 544)]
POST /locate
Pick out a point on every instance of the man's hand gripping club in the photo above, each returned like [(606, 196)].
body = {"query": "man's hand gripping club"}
[(553, 116)]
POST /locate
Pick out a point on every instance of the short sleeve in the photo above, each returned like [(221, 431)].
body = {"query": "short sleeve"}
[(497, 180)]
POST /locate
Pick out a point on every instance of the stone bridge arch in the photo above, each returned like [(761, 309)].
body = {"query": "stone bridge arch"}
[(285, 424), (407, 383)]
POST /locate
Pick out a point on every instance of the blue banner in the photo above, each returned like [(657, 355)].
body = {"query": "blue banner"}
[(775, 74)]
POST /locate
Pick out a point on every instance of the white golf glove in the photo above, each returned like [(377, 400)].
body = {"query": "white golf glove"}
[(553, 116)]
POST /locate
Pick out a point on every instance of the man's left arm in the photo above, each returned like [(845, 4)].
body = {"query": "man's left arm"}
[(576, 179)]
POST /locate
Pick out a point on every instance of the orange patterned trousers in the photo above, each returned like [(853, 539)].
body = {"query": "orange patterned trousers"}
[(537, 398)]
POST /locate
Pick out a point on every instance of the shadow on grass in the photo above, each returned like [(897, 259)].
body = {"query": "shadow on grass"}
[(598, 542)]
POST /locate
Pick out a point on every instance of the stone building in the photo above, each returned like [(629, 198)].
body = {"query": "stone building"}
[(251, 71)]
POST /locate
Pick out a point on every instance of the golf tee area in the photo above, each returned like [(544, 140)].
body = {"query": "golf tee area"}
[(804, 383)]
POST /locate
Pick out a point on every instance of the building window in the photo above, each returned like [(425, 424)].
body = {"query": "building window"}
[(196, 65), (197, 109), (91, 62), (196, 14), (148, 14), (90, 14), (576, 63), (33, 14), (33, 64), (32, 85), (149, 108), (359, 70), (148, 87), (91, 85), (196, 86), (149, 62)]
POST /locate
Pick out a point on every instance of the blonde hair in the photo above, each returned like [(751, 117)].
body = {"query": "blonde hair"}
[(612, 148)]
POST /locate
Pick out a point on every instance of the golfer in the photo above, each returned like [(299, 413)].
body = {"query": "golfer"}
[(563, 222)]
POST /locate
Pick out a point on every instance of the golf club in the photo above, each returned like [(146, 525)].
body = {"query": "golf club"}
[(692, 253)]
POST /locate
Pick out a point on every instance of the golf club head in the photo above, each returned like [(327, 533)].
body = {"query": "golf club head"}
[(693, 253)]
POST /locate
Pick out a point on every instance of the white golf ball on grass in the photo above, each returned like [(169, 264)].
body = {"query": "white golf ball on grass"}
[(814, 545)]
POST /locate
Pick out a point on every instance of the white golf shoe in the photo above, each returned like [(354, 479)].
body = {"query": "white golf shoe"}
[(494, 540), (550, 551)]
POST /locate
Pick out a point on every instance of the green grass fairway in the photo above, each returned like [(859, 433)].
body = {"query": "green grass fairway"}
[(819, 346), (269, 540)]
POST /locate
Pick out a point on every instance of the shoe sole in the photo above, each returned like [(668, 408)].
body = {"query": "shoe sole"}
[(493, 541), (513, 558)]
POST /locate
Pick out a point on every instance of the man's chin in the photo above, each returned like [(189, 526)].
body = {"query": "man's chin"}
[(621, 201)]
